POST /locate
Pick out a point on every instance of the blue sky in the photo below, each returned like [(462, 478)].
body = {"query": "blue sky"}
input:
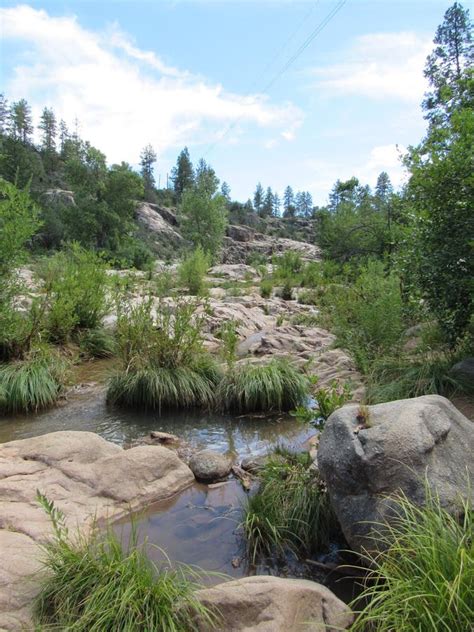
[(174, 73)]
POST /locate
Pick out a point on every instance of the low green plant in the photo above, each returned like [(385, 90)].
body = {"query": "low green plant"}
[(192, 271), (164, 364), (276, 386), (96, 584), (288, 265), (96, 343), (286, 292), (306, 319), (332, 397), (266, 288), (230, 340), (164, 284), (424, 577), (304, 414), (33, 383), (308, 297), (290, 511)]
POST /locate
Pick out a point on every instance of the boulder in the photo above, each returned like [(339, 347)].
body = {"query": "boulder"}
[(210, 466), (88, 479), (274, 604), (152, 219), (405, 445), (239, 233), (464, 371)]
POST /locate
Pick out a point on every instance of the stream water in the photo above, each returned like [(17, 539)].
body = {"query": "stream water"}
[(200, 525)]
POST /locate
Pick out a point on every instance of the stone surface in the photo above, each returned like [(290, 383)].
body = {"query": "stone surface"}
[(234, 272), (464, 370), (150, 216), (407, 442), (87, 478), (239, 233), (274, 604), (210, 466)]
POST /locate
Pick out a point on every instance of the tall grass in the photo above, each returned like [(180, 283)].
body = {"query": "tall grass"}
[(276, 386), (423, 581), (33, 383), (192, 271), (94, 584), (164, 364), (290, 511)]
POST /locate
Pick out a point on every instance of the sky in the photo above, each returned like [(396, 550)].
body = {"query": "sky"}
[(277, 91)]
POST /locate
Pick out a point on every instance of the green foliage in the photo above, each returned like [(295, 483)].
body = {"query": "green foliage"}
[(165, 283), (203, 217), (332, 397), (33, 383), (75, 284), (275, 386), (266, 288), (290, 511), (230, 340), (306, 319), (96, 584), (193, 269), (164, 364), (96, 343), (424, 578), (286, 292), (287, 265)]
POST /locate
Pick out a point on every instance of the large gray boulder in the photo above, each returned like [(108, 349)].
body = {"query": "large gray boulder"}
[(88, 479), (407, 444), (209, 466), (274, 604)]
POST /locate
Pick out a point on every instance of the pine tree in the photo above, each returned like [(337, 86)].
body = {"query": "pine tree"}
[(288, 203), (147, 160), (258, 198), (182, 175), (4, 115), (450, 66), (383, 188), (276, 205), (49, 128), (21, 123), (206, 178), (306, 204), (267, 206), (225, 190), (63, 136)]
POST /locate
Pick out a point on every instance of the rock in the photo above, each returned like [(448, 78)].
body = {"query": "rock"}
[(163, 437), (60, 196), (239, 233), (210, 466), (87, 478), (406, 441), (274, 604), (254, 464), (464, 371), (149, 215), (234, 272)]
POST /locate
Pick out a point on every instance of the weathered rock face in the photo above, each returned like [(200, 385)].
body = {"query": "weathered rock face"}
[(152, 218), (60, 196), (234, 272), (407, 441), (239, 233), (210, 466), (274, 604), (238, 251), (87, 478)]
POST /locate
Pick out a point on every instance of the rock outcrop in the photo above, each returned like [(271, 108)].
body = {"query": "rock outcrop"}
[(402, 446), (88, 479), (274, 604), (209, 466), (150, 215)]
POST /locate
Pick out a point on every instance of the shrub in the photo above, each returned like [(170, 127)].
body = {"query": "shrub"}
[(95, 584), (230, 339), (165, 283), (97, 343), (275, 386), (288, 265), (308, 297), (290, 511), (75, 283), (164, 364), (423, 579), (286, 292), (332, 397), (306, 319), (193, 269), (33, 383)]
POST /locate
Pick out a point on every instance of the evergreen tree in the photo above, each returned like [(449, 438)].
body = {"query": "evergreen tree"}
[(4, 115), (182, 175), (225, 191), (306, 204), (267, 206), (21, 122), (383, 188), (258, 198), (63, 136), (147, 160), (206, 179), (288, 203), (48, 127), (450, 66), (276, 205)]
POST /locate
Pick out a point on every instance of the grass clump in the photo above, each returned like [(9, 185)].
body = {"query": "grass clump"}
[(276, 386), (164, 364), (94, 584), (96, 343), (266, 288), (193, 269), (290, 512), (424, 579), (33, 383)]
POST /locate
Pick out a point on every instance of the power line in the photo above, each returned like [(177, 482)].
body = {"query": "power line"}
[(287, 64)]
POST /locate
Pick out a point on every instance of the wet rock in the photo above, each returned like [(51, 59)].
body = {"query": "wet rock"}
[(88, 479), (210, 466), (274, 604), (164, 438), (406, 442), (254, 464)]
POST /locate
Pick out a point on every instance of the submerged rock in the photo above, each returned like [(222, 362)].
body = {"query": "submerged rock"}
[(88, 479), (403, 446), (274, 604), (210, 466)]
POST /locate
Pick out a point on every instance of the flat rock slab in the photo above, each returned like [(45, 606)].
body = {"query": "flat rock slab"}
[(275, 604), (88, 479)]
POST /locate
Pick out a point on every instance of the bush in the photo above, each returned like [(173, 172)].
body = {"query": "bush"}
[(288, 265), (286, 292), (423, 579), (332, 397), (97, 343), (94, 584), (266, 288), (192, 271), (275, 386), (75, 283), (164, 364), (230, 340), (290, 511), (33, 383)]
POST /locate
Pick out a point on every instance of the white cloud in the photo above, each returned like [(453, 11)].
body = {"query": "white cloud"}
[(123, 96), (379, 66)]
